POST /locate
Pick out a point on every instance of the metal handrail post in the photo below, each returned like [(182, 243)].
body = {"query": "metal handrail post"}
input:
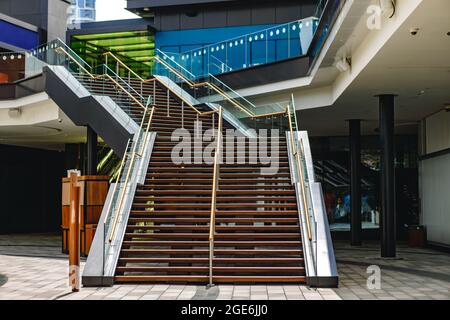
[(300, 172), (216, 173)]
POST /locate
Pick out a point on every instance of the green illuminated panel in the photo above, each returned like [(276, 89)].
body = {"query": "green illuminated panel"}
[(135, 48)]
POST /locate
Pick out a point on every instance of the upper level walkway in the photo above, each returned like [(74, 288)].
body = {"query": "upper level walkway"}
[(299, 39)]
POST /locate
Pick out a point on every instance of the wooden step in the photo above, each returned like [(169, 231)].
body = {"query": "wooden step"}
[(221, 269), (228, 213), (228, 187), (219, 205), (166, 141), (219, 236), (207, 197), (218, 220), (258, 182), (257, 236), (250, 252), (223, 176), (218, 244), (219, 228), (156, 164), (224, 172), (246, 260), (207, 191), (259, 279), (162, 278), (216, 279)]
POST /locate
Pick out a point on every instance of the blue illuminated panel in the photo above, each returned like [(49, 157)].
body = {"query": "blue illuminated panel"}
[(185, 40), (220, 50), (18, 36)]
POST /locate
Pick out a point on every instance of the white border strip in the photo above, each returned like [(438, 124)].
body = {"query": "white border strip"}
[(18, 22)]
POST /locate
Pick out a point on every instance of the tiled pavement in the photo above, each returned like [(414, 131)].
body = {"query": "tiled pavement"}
[(32, 267)]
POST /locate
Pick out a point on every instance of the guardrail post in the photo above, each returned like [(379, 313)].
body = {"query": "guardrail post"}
[(211, 257), (182, 114), (215, 187), (213, 124), (74, 232), (168, 103)]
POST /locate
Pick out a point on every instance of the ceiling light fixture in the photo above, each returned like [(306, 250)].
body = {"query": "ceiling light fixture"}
[(414, 31)]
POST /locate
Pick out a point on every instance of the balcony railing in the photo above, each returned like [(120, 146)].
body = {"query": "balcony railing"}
[(275, 44)]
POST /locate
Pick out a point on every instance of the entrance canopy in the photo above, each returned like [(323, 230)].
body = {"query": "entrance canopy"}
[(136, 48)]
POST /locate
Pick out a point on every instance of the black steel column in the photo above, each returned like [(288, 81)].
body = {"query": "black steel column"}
[(355, 182), (388, 229), (91, 145)]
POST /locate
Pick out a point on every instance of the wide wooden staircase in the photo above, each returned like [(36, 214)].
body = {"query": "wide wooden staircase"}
[(257, 226), (257, 237)]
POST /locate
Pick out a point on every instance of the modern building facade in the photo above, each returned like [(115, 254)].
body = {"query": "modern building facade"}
[(48, 16), (82, 11), (373, 104)]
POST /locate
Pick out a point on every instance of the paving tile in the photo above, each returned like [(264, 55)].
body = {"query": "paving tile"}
[(40, 272)]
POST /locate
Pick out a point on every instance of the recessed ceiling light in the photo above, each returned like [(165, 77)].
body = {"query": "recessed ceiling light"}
[(146, 9), (414, 31)]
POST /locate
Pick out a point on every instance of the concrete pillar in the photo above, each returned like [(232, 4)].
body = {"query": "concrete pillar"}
[(91, 145), (355, 181), (388, 228)]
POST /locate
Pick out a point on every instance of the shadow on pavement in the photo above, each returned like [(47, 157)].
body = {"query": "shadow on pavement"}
[(3, 280)]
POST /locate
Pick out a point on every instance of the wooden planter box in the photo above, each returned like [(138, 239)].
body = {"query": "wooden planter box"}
[(93, 192)]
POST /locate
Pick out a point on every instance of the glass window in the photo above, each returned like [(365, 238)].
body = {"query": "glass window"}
[(86, 13), (90, 4), (331, 164)]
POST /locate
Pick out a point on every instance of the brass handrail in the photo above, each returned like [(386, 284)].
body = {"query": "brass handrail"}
[(296, 154), (133, 158), (77, 62), (216, 174), (205, 84), (102, 163), (221, 92), (216, 157), (217, 89), (100, 76), (138, 77), (227, 97), (191, 84), (109, 53), (134, 153), (123, 89), (117, 180), (272, 114), (178, 74)]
